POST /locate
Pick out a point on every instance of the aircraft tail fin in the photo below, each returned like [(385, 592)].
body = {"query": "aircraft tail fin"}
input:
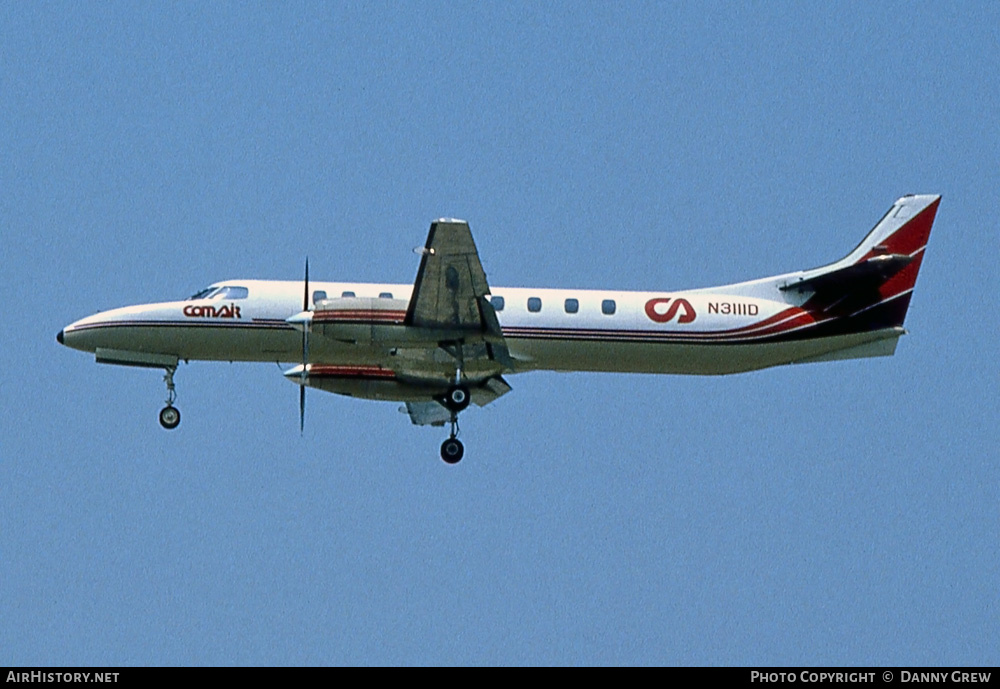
[(870, 288)]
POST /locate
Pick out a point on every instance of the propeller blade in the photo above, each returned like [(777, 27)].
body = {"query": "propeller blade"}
[(302, 409), (305, 356), (305, 295)]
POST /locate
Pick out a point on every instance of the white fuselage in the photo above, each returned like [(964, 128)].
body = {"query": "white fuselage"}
[(690, 332), (450, 339)]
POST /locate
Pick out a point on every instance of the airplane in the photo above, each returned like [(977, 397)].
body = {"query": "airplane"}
[(449, 339)]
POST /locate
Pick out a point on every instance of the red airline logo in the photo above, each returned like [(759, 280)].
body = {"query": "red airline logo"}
[(674, 306)]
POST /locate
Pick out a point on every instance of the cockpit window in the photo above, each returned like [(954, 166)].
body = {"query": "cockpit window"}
[(225, 292), (229, 292), (202, 294)]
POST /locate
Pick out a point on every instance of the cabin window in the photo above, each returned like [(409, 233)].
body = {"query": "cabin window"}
[(385, 295), (608, 307), (497, 302), (348, 294), (534, 304), (572, 305), (230, 292), (319, 295)]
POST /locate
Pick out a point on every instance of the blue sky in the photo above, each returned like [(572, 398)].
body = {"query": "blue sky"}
[(840, 513)]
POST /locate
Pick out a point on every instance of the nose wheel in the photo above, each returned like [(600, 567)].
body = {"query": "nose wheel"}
[(170, 416)]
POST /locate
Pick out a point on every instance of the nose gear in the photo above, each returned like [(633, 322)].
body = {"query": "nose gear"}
[(170, 416)]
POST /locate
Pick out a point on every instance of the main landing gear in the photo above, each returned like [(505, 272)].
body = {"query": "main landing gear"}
[(452, 449), (170, 416), (456, 400)]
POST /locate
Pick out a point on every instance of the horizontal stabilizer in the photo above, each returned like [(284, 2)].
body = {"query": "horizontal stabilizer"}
[(865, 275)]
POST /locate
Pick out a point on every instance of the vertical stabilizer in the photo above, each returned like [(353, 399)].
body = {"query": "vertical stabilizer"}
[(870, 288)]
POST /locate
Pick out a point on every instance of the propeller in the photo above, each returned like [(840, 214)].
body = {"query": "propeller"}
[(305, 357)]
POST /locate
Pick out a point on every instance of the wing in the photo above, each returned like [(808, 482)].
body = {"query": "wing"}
[(433, 413), (427, 413), (450, 335), (451, 289), (450, 281)]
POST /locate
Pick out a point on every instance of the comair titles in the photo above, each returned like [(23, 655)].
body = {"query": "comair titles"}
[(227, 311)]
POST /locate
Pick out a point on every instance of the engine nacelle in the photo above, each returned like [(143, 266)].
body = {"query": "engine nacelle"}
[(367, 322), (360, 320), (365, 381)]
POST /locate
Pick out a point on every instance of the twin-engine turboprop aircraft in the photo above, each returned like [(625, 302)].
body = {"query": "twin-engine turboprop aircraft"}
[(449, 339)]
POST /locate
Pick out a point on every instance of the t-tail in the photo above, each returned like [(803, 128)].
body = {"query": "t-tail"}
[(856, 306), (870, 288), (867, 290)]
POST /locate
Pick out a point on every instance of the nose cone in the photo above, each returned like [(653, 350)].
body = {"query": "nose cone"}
[(118, 328)]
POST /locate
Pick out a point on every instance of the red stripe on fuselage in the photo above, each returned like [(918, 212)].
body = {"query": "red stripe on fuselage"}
[(330, 371), (358, 316)]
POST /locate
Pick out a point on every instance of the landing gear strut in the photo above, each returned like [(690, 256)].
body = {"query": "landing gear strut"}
[(170, 416), (456, 399), (452, 449)]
